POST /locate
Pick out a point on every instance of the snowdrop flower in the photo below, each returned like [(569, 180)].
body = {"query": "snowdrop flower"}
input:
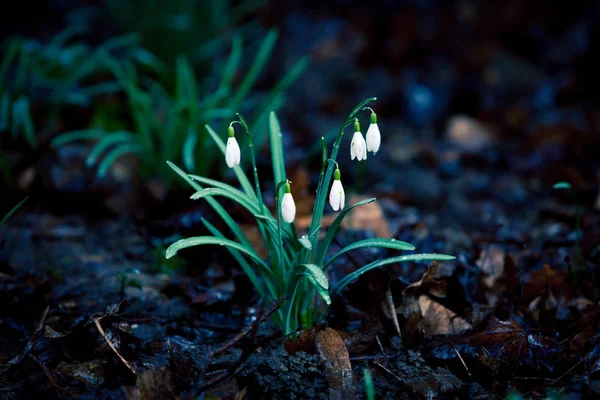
[(358, 147), (337, 198), (373, 135), (288, 207), (232, 152)]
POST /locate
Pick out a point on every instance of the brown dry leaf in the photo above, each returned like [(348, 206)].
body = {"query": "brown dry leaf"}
[(431, 282), (335, 358), (439, 320), (255, 239), (154, 384), (491, 262), (546, 276), (368, 216)]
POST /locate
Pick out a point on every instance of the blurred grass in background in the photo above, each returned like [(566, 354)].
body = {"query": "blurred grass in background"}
[(167, 70)]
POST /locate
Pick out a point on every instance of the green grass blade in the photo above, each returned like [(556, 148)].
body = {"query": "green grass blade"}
[(380, 263), (377, 242), (337, 222), (224, 186), (324, 293)]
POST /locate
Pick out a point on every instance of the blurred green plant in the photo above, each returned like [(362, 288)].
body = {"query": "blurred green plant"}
[(197, 30), (296, 266), (63, 71), (167, 125), (12, 211)]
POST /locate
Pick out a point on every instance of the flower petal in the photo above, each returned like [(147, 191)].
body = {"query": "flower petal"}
[(358, 147), (232, 152), (373, 138), (288, 208), (337, 196)]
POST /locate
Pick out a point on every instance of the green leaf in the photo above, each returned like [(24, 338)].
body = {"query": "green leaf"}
[(224, 186), (305, 243), (277, 158), (380, 263), (232, 63), (248, 270), (324, 245), (562, 186), (377, 242), (116, 153), (189, 158), (211, 240), (233, 226), (241, 200), (107, 141), (324, 293), (85, 134), (317, 274), (262, 56)]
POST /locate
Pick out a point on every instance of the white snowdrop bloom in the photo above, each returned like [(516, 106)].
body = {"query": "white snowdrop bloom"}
[(232, 152), (373, 135), (358, 147), (288, 207), (337, 197)]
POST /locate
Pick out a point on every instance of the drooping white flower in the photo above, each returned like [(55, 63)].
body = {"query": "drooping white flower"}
[(288, 207), (373, 135), (337, 197), (358, 147), (232, 151)]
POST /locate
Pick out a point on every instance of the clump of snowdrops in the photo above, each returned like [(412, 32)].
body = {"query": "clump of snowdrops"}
[(297, 264)]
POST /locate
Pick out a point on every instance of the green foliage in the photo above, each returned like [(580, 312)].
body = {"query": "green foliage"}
[(64, 71), (296, 266), (168, 124), (199, 30)]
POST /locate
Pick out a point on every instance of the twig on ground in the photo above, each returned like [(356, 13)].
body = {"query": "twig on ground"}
[(49, 376), (113, 348), (34, 336)]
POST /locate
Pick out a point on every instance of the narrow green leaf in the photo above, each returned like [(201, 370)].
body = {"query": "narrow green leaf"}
[(337, 222), (317, 274), (72, 136), (380, 263), (248, 270), (231, 224), (562, 186), (305, 243), (232, 63), (262, 56), (116, 153), (228, 194), (277, 158), (104, 143), (377, 242), (224, 186), (211, 240), (324, 293), (13, 210), (189, 146)]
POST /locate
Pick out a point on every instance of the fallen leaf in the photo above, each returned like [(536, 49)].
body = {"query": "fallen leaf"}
[(336, 360)]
